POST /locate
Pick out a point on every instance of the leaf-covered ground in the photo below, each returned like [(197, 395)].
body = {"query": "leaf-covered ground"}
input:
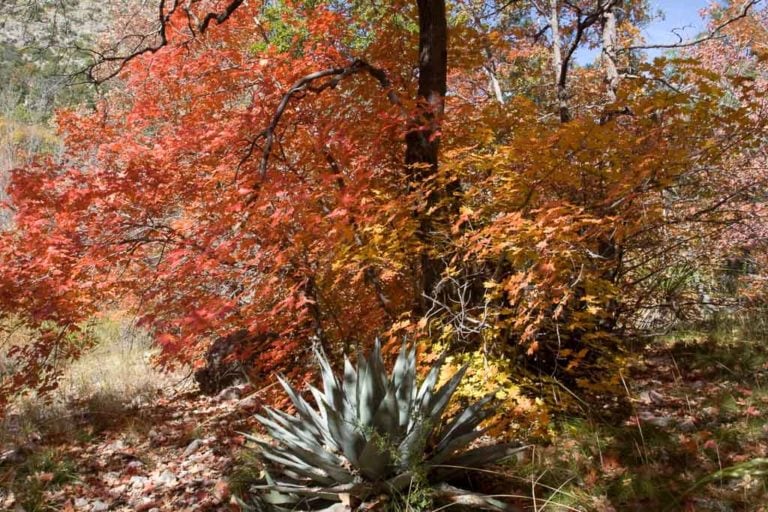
[(172, 455), (695, 439)]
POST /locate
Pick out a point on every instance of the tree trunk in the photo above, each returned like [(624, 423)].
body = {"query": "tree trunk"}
[(423, 137), (609, 53), (557, 62), (422, 140)]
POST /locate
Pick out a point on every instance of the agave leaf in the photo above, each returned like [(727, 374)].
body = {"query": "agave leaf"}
[(350, 440), (437, 404), (372, 387), (319, 399), (411, 449), (286, 458), (292, 423), (331, 387), (386, 420), (467, 420), (302, 407), (483, 455), (292, 475), (311, 452), (375, 460), (297, 466), (289, 436), (350, 384), (399, 482), (404, 380), (424, 394), (331, 442), (368, 398), (400, 371), (454, 444), (378, 371), (362, 376), (278, 498), (383, 439), (300, 471)]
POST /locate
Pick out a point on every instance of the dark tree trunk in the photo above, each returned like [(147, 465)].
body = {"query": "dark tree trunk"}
[(422, 139), (421, 143)]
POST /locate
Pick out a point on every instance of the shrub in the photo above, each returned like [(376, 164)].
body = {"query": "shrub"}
[(370, 438)]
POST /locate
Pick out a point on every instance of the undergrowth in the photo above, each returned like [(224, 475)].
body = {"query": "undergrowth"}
[(28, 481)]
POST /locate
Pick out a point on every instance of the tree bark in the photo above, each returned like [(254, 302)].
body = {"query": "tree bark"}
[(422, 140), (423, 136), (609, 53), (557, 62)]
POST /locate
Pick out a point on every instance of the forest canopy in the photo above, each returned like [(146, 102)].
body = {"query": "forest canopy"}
[(323, 173)]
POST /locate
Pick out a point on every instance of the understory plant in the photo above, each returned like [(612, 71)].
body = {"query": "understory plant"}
[(373, 441)]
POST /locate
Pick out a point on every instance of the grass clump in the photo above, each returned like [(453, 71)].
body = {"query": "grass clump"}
[(27, 482)]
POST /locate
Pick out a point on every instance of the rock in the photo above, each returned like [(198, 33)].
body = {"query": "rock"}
[(133, 467), (687, 425), (167, 478), (11, 456), (250, 403), (81, 503), (118, 491), (99, 506), (138, 482), (117, 446), (145, 505), (230, 393), (192, 447), (659, 421)]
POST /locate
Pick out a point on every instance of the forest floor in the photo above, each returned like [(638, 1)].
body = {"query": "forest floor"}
[(173, 455), (696, 439)]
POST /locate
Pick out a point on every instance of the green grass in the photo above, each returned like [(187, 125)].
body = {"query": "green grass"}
[(38, 473)]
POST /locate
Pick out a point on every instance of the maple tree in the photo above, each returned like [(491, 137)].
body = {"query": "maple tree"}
[(332, 172)]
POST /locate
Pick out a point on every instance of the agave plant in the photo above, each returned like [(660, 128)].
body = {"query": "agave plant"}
[(370, 436)]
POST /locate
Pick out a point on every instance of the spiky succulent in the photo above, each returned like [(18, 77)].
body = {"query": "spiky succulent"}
[(369, 435)]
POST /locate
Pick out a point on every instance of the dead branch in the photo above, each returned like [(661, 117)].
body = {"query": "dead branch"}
[(713, 34)]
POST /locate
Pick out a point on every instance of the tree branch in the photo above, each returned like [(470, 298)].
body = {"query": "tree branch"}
[(305, 83), (220, 17), (714, 33), (164, 17)]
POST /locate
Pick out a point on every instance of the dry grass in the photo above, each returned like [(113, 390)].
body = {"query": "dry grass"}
[(108, 386)]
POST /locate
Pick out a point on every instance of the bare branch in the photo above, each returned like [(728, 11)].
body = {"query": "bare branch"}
[(123, 60), (305, 83), (164, 17), (221, 17), (713, 34)]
